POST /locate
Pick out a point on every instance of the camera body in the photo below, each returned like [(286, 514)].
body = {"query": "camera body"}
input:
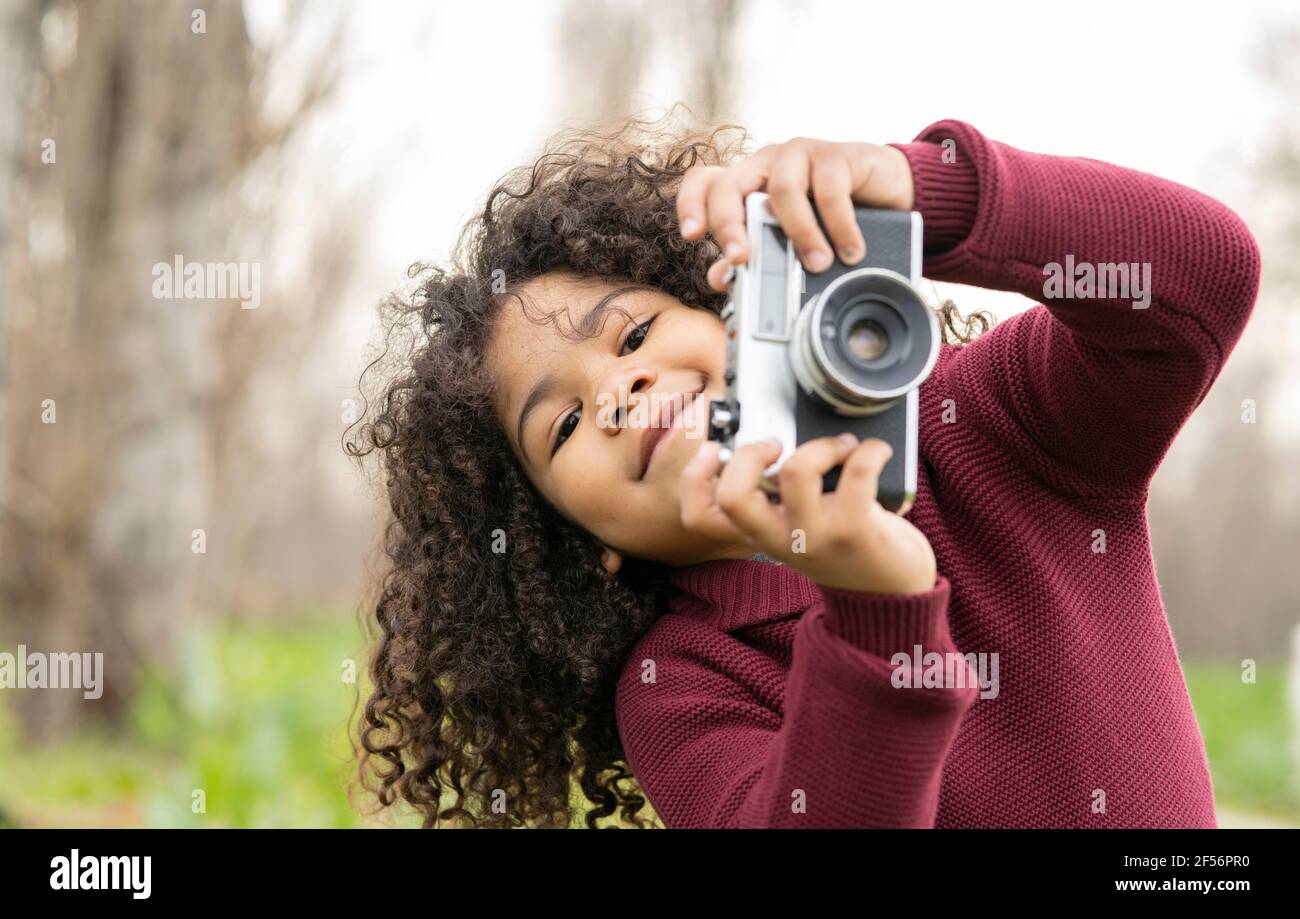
[(815, 355)]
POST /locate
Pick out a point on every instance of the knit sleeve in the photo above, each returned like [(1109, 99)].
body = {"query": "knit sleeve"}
[(850, 744), (1145, 287)]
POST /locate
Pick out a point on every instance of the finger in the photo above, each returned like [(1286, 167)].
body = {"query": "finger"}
[(745, 503), (855, 492), (727, 218), (787, 189), (727, 205), (832, 185), (800, 478), (720, 273), (691, 199), (699, 511)]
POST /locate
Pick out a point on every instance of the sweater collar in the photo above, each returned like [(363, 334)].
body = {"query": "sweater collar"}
[(735, 593)]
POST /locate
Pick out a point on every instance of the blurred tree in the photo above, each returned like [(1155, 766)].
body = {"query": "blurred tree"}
[(144, 122), (609, 46), (1278, 49), (1226, 551), (19, 22), (709, 31), (1226, 545)]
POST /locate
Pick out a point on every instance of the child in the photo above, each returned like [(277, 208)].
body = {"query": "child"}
[(571, 598)]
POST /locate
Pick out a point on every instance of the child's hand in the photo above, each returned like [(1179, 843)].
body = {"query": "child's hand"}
[(848, 539), (839, 174)]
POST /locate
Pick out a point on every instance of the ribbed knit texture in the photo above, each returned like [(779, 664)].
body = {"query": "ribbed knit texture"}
[(764, 700)]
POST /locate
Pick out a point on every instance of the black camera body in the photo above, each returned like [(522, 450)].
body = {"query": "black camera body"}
[(812, 355)]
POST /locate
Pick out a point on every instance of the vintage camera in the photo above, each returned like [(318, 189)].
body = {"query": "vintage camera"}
[(812, 355)]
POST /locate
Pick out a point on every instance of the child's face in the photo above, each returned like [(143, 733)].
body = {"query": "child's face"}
[(595, 477)]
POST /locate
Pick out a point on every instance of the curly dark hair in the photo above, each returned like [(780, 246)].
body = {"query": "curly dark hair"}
[(494, 672)]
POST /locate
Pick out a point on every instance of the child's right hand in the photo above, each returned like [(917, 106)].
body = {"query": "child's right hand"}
[(837, 175), (849, 540)]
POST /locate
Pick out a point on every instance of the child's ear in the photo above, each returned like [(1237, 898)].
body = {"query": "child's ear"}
[(610, 559)]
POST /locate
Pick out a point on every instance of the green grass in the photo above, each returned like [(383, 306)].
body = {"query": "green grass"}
[(1248, 737), (256, 717)]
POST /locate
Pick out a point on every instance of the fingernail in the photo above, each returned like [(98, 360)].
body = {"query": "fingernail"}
[(733, 250), (851, 255), (818, 260), (701, 453), (689, 226), (849, 440)]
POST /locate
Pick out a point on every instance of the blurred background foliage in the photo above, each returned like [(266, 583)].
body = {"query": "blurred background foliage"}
[(255, 716), (258, 721), (333, 144)]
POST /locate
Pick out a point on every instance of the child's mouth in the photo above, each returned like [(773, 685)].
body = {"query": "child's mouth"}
[(656, 438)]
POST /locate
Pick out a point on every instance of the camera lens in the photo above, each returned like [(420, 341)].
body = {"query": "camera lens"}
[(867, 340), (864, 341)]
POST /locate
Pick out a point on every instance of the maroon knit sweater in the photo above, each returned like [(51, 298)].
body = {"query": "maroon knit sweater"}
[(762, 699)]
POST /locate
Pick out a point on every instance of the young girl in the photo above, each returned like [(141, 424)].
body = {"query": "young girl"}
[(570, 598)]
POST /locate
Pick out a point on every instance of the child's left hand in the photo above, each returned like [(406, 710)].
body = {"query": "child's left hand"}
[(840, 175)]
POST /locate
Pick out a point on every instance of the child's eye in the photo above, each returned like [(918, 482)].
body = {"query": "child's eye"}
[(634, 340), (643, 330), (566, 429)]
